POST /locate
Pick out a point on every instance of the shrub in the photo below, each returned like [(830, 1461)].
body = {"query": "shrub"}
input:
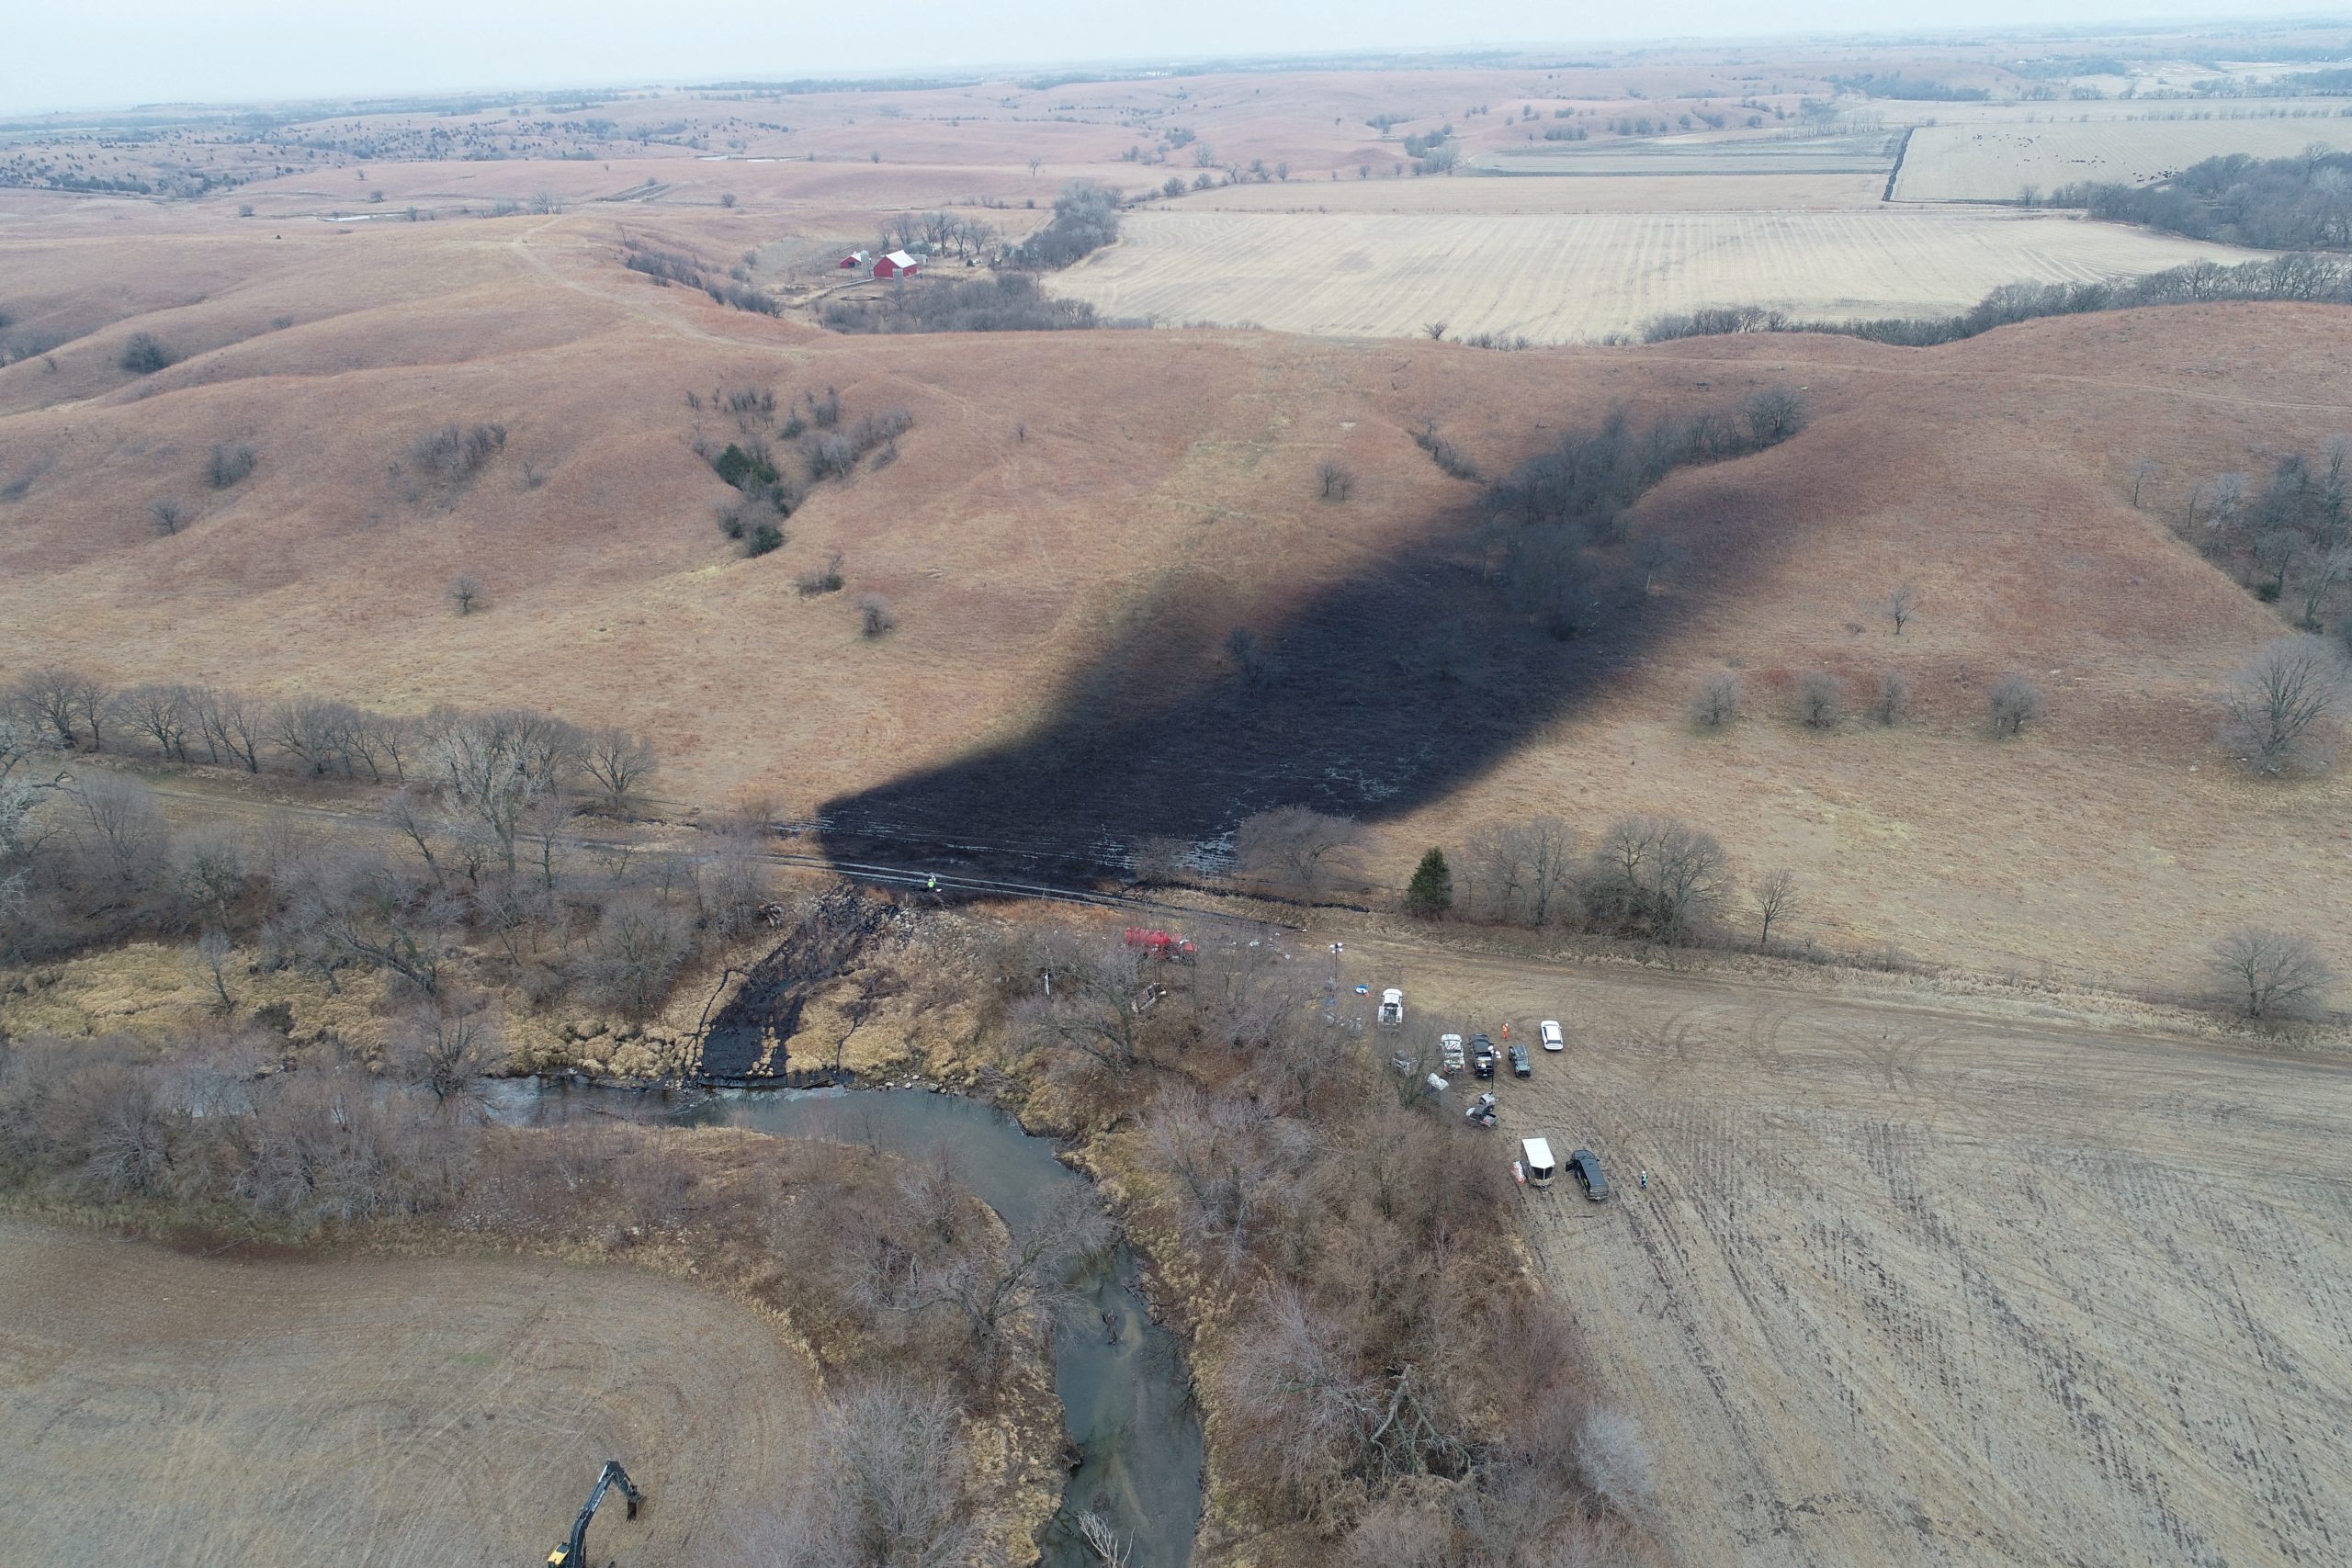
[(1890, 698), (874, 616), (456, 452), (745, 469), (465, 594), (145, 354), (764, 537), (228, 464), (826, 579), (1717, 703), (2016, 702), (1821, 700), (829, 457)]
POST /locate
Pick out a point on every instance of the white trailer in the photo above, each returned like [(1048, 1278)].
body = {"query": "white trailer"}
[(1537, 1153), (1392, 1009)]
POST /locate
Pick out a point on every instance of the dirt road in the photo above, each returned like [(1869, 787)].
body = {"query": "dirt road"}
[(1911, 1285), (156, 1408)]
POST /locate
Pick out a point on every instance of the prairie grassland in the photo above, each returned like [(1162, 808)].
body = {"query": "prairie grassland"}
[(1058, 491)]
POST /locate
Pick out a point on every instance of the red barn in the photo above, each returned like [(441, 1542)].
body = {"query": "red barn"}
[(898, 264), (854, 260)]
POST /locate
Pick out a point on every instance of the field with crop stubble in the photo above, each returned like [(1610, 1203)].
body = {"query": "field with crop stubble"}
[(391, 1413), (1579, 277), (1920, 1286)]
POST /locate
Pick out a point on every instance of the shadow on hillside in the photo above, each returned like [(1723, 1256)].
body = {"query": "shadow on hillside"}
[(1386, 692)]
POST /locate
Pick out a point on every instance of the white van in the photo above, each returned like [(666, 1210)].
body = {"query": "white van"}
[(1392, 1009), (1537, 1152)]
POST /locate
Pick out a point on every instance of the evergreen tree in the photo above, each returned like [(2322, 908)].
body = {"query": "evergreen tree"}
[(1430, 893)]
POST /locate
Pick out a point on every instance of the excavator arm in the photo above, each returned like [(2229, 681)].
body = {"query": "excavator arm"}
[(568, 1555)]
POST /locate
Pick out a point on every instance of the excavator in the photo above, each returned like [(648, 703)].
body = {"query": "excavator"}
[(568, 1554)]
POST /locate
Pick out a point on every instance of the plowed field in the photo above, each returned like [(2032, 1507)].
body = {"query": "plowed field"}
[(1923, 1286), (1994, 163), (156, 1408), (1578, 278)]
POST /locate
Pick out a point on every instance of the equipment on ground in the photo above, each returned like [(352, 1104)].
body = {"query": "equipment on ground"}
[(1164, 945), (1483, 1112), (568, 1554)]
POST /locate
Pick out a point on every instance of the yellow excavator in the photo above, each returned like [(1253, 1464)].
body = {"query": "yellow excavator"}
[(568, 1555)]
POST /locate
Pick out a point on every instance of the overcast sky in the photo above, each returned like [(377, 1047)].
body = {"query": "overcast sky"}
[(86, 53)]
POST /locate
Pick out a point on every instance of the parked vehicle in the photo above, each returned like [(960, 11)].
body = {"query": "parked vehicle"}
[(1482, 1056), (1537, 1154), (1450, 1051), (1435, 1084), (1483, 1112), (1553, 1039), (1587, 1166), (1522, 1065), (1392, 1009)]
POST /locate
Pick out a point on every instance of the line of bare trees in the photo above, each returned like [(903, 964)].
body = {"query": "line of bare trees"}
[(70, 711), (2288, 538)]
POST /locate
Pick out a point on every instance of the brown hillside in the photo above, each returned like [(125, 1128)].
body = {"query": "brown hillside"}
[(1164, 492)]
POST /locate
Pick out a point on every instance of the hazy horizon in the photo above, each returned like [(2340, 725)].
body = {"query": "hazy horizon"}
[(117, 54)]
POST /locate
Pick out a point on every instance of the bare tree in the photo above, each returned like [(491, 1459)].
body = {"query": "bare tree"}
[(1774, 894), (1717, 703), (2271, 973), (168, 516), (165, 715), (2140, 474), (1337, 480), (890, 1487), (232, 728), (1901, 601), (1296, 848), (1821, 700), (1227, 1162), (1773, 415), (2015, 702), (1889, 697), (445, 1050), (212, 963), (1435, 330), (465, 594), (122, 829), (618, 761), (51, 699), (2276, 713)]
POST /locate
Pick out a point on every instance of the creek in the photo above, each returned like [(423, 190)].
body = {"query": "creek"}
[(1127, 1401)]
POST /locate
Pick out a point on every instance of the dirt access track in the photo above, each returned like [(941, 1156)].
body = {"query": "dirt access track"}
[(157, 1408), (1929, 1287)]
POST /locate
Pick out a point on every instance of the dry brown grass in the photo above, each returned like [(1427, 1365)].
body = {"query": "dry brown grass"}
[(1159, 467)]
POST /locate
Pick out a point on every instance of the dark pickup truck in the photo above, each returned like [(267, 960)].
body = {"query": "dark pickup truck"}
[(1482, 1056)]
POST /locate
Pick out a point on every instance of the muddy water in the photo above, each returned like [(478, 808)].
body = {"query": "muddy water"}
[(1125, 1401)]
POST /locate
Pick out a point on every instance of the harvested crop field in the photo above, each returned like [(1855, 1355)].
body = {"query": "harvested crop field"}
[(1579, 277), (211, 1414), (1920, 1286), (1994, 163)]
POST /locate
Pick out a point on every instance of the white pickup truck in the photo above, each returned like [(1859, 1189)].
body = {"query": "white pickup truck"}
[(1450, 1051), (1392, 1009)]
